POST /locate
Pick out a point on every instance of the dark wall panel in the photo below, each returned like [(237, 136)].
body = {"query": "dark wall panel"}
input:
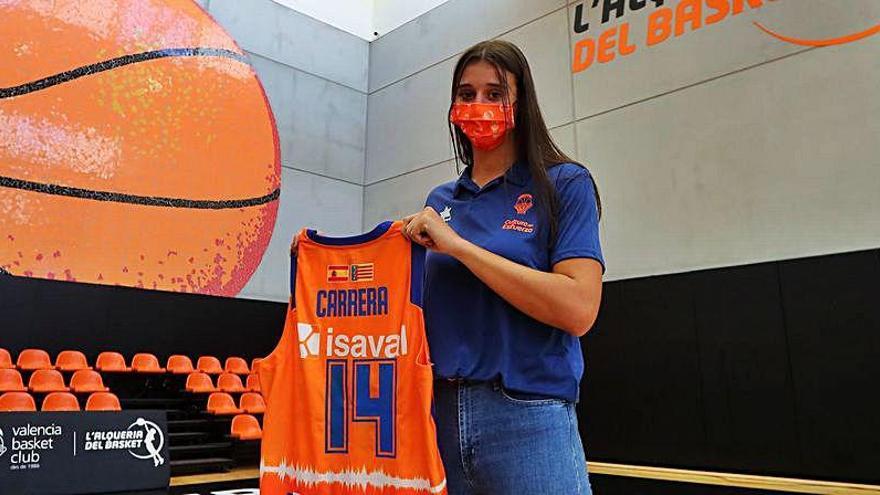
[(60, 315), (767, 369), (619, 485), (641, 391), (746, 379), (832, 310)]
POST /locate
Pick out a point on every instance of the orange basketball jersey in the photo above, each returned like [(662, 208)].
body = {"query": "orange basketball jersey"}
[(349, 387)]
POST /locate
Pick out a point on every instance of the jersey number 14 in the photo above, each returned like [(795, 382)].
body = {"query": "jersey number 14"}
[(352, 405)]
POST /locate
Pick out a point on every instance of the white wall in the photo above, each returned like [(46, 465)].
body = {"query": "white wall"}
[(352, 16), (389, 15), (367, 19)]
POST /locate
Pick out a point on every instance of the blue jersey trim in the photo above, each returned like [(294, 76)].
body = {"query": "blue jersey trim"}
[(352, 240), (293, 276), (417, 274)]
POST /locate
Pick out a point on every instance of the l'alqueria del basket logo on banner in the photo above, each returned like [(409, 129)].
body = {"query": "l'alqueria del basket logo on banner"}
[(607, 31), (143, 439), (154, 440), (2, 443)]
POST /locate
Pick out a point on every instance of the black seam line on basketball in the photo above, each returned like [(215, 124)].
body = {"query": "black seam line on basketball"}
[(113, 63), (75, 192)]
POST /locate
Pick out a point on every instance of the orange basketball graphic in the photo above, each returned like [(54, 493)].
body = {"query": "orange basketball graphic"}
[(137, 147)]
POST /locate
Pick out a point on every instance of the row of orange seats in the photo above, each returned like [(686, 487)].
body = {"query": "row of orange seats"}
[(222, 404), (51, 381), (58, 401), (201, 383), (38, 359)]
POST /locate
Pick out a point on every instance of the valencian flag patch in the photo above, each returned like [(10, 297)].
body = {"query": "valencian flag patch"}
[(362, 272)]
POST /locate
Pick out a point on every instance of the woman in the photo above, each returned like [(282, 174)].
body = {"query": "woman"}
[(513, 277)]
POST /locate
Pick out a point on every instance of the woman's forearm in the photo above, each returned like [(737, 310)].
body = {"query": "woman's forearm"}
[(562, 300)]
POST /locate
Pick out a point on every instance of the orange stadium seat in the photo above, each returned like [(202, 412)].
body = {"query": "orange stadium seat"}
[(246, 427), (47, 381), (34, 359), (5, 359), (237, 365), (252, 403), (254, 363), (103, 401), (60, 401), (17, 402), (199, 382), (228, 382), (111, 361), (71, 361), (179, 365), (209, 365), (87, 381), (221, 403), (145, 362), (253, 383), (10, 381)]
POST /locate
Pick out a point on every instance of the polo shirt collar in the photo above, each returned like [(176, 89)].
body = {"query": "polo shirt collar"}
[(518, 174)]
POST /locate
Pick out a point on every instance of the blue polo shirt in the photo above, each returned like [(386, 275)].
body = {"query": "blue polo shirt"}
[(472, 332)]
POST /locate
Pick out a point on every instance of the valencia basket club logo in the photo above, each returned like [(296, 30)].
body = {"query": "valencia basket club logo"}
[(523, 203), (2, 443)]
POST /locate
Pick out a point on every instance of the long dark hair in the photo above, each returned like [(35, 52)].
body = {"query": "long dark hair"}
[(533, 141)]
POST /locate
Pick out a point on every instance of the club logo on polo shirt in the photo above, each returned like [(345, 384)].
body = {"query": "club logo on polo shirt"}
[(518, 226), (523, 203), (446, 214)]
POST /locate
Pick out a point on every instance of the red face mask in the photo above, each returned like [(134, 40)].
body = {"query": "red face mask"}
[(485, 124)]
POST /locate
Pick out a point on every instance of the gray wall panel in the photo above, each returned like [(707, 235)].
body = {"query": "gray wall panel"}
[(564, 138), (394, 198), (408, 124), (446, 30), (277, 32), (321, 125), (780, 161)]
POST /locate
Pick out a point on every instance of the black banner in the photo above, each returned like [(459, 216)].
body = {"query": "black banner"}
[(83, 452)]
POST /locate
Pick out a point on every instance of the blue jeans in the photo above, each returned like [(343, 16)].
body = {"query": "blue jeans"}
[(497, 442)]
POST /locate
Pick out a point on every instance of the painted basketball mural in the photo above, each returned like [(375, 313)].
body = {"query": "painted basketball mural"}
[(137, 147)]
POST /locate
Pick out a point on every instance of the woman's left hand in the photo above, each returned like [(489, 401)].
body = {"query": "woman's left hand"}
[(429, 230)]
